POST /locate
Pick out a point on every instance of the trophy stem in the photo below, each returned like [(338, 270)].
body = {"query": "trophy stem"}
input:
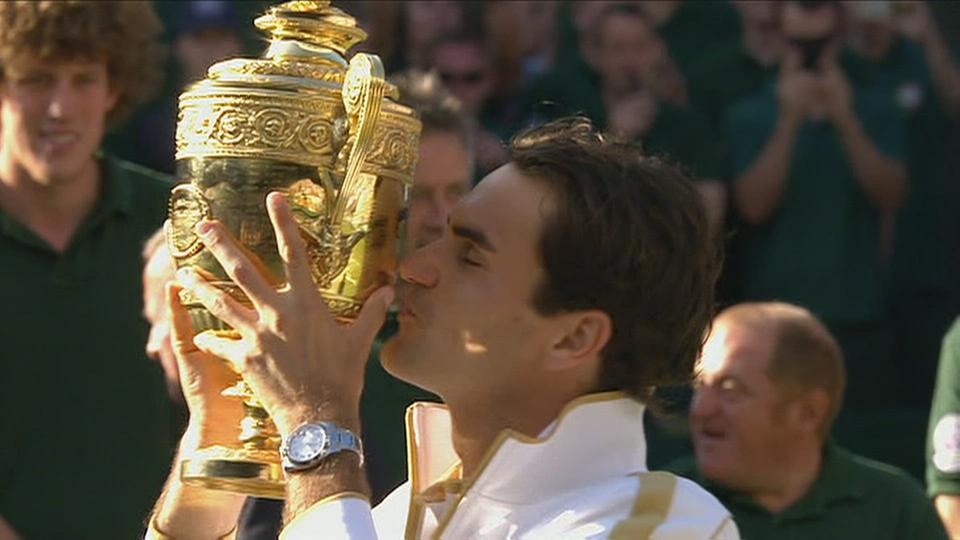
[(254, 468)]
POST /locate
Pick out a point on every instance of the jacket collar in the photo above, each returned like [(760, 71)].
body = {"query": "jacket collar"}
[(518, 468)]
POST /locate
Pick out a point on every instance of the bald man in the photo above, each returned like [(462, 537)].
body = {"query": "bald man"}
[(770, 384)]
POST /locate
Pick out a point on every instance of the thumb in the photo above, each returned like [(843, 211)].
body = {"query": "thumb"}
[(372, 314), (181, 328)]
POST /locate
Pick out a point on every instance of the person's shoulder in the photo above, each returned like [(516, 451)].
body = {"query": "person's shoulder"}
[(880, 479), (142, 176), (711, 67), (952, 338)]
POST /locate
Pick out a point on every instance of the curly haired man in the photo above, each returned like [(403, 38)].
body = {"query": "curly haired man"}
[(86, 421)]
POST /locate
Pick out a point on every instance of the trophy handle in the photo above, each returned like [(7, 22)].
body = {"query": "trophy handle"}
[(363, 90)]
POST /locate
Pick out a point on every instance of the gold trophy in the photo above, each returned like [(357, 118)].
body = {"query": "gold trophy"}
[(328, 133)]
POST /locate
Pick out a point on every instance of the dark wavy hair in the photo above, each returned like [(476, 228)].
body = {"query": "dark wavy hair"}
[(629, 237), (123, 34)]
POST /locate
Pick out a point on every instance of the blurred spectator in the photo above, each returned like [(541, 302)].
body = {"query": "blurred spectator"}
[(769, 385), (158, 270), (584, 16), (691, 27), (943, 435), (627, 101), (422, 24), (205, 33), (818, 163), (86, 420), (921, 77), (465, 65), (728, 72), (523, 37)]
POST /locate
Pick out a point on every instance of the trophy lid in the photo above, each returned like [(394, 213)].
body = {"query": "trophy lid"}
[(308, 43), (312, 22), (284, 105)]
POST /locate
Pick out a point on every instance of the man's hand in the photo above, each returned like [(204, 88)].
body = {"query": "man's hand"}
[(214, 419), (185, 511), (795, 88), (301, 364), (631, 117), (835, 92)]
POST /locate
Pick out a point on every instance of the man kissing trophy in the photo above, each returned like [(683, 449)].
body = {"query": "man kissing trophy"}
[(301, 120)]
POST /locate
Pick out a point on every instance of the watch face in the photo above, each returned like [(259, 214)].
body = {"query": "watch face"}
[(306, 443)]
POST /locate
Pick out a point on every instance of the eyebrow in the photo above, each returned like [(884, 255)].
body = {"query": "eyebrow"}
[(476, 236)]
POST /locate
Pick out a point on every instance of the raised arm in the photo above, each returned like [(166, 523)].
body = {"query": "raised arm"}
[(303, 366), (758, 192), (883, 179)]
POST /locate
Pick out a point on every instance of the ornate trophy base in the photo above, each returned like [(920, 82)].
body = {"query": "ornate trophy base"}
[(252, 472)]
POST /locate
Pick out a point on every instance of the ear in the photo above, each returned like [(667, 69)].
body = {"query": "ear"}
[(580, 338), (812, 410)]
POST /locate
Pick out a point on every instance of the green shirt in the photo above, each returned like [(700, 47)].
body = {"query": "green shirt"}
[(943, 434), (696, 27), (854, 497), (920, 260), (722, 76), (87, 424), (683, 136), (821, 246)]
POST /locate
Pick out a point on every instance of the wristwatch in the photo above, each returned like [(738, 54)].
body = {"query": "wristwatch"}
[(310, 444)]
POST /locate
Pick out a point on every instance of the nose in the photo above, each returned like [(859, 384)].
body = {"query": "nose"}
[(63, 97), (418, 267), (59, 100)]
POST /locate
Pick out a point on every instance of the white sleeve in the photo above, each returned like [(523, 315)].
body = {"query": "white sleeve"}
[(342, 518)]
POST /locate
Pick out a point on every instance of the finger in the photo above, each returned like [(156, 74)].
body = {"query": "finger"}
[(219, 303), (289, 243), (235, 262), (231, 350), (181, 329), (372, 314)]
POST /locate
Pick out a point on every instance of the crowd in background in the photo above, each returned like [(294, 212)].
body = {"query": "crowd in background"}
[(819, 133)]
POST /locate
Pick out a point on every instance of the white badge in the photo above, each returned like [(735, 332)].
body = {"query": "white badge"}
[(946, 443)]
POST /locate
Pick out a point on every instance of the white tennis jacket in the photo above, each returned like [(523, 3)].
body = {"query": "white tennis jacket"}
[(585, 477)]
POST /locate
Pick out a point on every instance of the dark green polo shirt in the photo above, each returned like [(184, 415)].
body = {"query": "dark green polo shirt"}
[(697, 27), (943, 435), (86, 421), (821, 246), (684, 136), (920, 260), (853, 498), (722, 76)]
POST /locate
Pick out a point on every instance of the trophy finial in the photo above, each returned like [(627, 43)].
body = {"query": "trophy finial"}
[(313, 22)]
